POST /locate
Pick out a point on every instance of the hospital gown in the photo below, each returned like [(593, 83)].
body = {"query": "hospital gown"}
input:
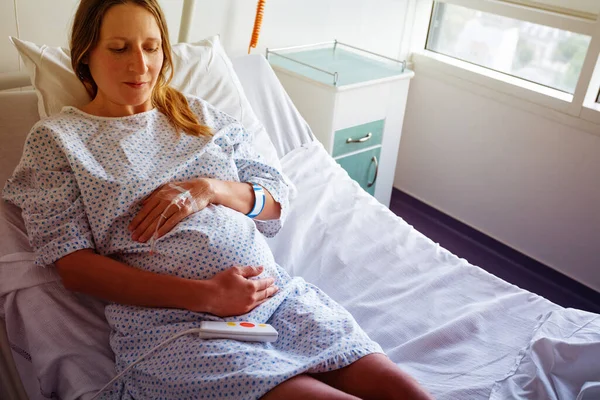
[(80, 182)]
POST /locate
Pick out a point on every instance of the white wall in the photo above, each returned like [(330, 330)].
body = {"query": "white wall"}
[(9, 60), (285, 23), (529, 182), (364, 23), (49, 22)]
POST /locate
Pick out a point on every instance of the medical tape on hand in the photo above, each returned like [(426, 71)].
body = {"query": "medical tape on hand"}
[(178, 201), (184, 196)]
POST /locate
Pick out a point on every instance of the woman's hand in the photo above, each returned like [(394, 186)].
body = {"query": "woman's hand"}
[(234, 294), (168, 205)]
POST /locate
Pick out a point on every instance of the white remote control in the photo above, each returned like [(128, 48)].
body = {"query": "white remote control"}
[(244, 331)]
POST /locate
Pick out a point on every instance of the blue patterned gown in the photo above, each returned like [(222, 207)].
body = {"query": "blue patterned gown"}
[(80, 182)]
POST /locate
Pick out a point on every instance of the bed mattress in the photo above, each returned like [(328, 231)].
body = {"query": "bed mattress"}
[(460, 331)]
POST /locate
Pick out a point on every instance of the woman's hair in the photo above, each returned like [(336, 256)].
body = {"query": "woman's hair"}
[(84, 38)]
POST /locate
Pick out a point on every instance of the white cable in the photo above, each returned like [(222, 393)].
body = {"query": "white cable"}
[(179, 201), (133, 364)]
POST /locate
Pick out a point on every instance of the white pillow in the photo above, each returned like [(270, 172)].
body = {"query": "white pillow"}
[(201, 69)]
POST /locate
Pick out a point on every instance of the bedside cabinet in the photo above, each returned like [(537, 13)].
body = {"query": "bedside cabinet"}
[(354, 102)]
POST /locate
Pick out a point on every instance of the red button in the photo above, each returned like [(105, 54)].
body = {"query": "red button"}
[(247, 325)]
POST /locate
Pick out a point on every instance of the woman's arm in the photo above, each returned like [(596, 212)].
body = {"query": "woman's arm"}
[(235, 195), (227, 293), (87, 272), (240, 197)]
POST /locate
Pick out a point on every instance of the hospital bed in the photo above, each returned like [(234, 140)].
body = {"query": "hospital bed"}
[(460, 331)]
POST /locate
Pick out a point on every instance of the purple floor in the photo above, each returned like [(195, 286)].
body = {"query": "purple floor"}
[(493, 256)]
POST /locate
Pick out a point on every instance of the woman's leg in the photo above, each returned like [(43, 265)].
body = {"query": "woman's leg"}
[(374, 377), (305, 387)]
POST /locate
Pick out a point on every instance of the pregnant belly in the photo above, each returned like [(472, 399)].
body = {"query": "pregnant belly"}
[(205, 243)]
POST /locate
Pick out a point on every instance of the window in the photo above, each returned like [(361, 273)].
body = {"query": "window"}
[(539, 55), (548, 56)]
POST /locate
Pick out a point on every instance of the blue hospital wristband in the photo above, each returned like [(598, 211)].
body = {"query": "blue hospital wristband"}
[(259, 201)]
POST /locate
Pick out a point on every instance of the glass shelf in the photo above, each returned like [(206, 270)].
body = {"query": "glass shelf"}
[(335, 63)]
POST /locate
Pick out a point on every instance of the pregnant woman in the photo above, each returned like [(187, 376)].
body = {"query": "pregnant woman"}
[(156, 202)]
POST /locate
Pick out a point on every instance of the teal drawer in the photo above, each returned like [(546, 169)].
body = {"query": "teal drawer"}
[(362, 167), (349, 139)]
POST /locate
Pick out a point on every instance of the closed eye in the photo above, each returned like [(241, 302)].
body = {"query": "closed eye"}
[(122, 50)]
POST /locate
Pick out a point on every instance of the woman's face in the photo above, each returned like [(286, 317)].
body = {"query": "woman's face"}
[(126, 60)]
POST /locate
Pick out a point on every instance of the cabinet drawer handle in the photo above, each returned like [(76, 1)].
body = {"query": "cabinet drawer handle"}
[(374, 160), (361, 140)]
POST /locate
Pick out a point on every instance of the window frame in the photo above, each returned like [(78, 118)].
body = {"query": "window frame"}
[(581, 109)]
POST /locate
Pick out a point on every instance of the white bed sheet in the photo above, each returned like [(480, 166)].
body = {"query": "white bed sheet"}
[(271, 104), (459, 330), (456, 328)]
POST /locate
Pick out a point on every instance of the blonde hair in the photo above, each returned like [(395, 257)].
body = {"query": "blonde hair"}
[(84, 38)]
